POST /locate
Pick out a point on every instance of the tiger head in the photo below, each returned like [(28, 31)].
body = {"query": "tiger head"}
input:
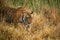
[(26, 18)]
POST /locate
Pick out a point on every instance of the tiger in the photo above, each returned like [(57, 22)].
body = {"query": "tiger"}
[(15, 16), (25, 14)]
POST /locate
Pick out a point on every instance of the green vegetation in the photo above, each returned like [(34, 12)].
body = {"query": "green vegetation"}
[(34, 5)]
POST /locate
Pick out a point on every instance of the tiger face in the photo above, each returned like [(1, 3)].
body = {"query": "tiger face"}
[(26, 18)]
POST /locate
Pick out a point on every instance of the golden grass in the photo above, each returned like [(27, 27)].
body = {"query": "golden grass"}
[(44, 26)]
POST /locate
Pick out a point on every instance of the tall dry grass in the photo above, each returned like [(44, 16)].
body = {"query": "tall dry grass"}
[(44, 26)]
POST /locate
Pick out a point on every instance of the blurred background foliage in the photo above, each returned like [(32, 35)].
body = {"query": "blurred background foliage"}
[(35, 5)]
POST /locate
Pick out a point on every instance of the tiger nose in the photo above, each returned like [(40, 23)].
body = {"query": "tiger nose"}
[(28, 22)]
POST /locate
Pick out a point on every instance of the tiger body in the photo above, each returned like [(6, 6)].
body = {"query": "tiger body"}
[(15, 16), (6, 13)]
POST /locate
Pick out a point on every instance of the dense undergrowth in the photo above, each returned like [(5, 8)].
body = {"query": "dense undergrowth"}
[(45, 24)]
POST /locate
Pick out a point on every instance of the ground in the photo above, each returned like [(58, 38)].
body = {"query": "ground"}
[(41, 28)]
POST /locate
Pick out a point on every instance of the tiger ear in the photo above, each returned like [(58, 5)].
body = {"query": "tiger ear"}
[(31, 12)]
